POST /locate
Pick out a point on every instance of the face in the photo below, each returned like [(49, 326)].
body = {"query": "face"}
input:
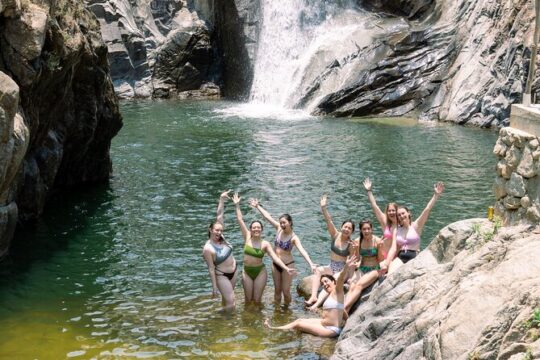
[(403, 216), (256, 229), (284, 224), (391, 212), (366, 230), (327, 284), (347, 229), (216, 232)]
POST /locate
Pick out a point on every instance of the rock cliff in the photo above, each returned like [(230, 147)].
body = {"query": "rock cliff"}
[(470, 295), (58, 110)]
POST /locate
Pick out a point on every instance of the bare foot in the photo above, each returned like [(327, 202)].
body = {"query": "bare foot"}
[(267, 323)]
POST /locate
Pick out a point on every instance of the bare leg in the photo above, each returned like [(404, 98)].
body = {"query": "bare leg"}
[(277, 284), (226, 288), (310, 326), (258, 285), (356, 289), (248, 287), (286, 281)]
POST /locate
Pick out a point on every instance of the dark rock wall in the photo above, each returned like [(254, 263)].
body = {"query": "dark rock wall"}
[(56, 58)]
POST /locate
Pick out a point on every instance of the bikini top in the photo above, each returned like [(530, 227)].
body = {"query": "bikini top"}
[(338, 251), (387, 232), (332, 303), (222, 253), (407, 238), (283, 245), (371, 252), (251, 251)]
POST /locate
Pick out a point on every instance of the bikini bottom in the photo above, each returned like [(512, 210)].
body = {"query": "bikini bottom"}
[(253, 271), (335, 329), (407, 255), (227, 275), (279, 268)]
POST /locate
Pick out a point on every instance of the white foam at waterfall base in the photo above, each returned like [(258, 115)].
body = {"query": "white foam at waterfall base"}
[(257, 110)]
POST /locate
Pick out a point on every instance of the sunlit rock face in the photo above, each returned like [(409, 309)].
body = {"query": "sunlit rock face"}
[(58, 110), (160, 48), (461, 61)]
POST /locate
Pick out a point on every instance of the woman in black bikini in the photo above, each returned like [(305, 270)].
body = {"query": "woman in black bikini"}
[(217, 253), (284, 243)]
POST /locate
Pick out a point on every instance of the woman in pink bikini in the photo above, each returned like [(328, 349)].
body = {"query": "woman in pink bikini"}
[(388, 221), (284, 243), (407, 235)]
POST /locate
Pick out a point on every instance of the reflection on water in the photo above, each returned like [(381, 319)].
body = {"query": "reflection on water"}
[(116, 272)]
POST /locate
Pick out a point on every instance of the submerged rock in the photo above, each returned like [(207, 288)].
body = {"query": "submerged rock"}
[(468, 295)]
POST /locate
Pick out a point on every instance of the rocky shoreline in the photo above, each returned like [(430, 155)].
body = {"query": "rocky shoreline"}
[(468, 295)]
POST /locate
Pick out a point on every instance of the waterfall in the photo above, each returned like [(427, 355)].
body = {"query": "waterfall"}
[(288, 29)]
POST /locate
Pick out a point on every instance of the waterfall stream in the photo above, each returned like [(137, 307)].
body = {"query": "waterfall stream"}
[(292, 42)]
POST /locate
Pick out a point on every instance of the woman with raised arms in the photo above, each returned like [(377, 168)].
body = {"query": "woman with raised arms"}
[(217, 253), (254, 275), (407, 235), (341, 247), (331, 322), (284, 243)]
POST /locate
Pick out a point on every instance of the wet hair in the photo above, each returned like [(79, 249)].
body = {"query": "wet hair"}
[(408, 212), (361, 224), (287, 217), (330, 277), (256, 221), (211, 226), (394, 205), (349, 221)]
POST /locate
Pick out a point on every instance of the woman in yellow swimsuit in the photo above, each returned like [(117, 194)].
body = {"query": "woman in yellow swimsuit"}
[(254, 275)]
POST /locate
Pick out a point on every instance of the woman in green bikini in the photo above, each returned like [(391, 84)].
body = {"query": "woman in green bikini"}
[(371, 260), (254, 275)]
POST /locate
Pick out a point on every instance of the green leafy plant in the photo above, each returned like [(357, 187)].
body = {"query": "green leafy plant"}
[(482, 237), (534, 320), (528, 355)]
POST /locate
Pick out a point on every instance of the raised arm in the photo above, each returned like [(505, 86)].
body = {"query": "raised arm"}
[(221, 205), (381, 217), (391, 252), (438, 189), (209, 259), (239, 217), (303, 252), (329, 224), (351, 263), (254, 203)]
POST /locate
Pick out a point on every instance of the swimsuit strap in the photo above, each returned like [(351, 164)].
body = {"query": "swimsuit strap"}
[(222, 253), (255, 252), (338, 251), (284, 245), (332, 303)]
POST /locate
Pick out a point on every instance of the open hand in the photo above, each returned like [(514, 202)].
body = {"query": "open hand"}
[(324, 200), (254, 202), (438, 188), (225, 194), (236, 199), (367, 184)]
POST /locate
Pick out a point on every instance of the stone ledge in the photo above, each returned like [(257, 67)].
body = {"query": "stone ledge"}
[(526, 118)]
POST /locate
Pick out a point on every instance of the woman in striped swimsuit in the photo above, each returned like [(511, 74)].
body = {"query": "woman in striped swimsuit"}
[(284, 243)]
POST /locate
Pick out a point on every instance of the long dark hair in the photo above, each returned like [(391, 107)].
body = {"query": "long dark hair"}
[(408, 213), (360, 225), (349, 221), (287, 217), (330, 277), (211, 226), (256, 221)]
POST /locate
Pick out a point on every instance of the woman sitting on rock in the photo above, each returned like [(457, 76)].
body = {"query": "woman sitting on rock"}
[(284, 243), (371, 256), (407, 235), (254, 275), (217, 253), (331, 323), (341, 247), (387, 220)]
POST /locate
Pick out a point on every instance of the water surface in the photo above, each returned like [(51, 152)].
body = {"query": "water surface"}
[(116, 271)]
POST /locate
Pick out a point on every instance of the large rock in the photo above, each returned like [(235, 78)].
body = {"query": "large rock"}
[(468, 295), (159, 48), (58, 110)]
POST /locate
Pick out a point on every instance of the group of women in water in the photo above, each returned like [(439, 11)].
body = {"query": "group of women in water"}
[(359, 262)]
